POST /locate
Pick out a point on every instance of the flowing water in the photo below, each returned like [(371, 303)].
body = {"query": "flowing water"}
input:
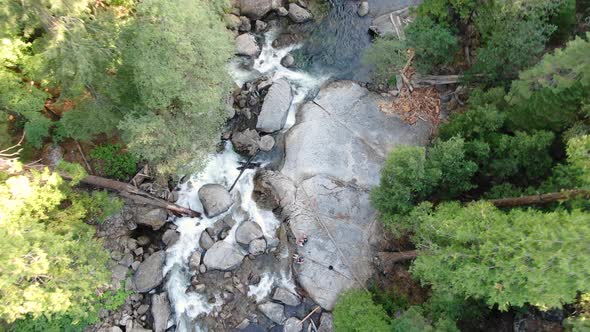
[(222, 168)]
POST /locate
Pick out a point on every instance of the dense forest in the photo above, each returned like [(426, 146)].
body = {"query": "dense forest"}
[(491, 218), (496, 208)]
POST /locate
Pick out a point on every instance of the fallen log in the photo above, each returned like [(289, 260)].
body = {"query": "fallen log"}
[(540, 199), (436, 80), (388, 258)]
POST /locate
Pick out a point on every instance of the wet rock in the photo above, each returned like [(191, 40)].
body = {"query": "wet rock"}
[(215, 199), (246, 142), (282, 11), (223, 256), (298, 14), (363, 9), (246, 44), (275, 107), (293, 324), (194, 261), (273, 311), (160, 311), (170, 237), (260, 26), (202, 268), (255, 9), (149, 274), (266, 143), (155, 218), (326, 323), (205, 241), (248, 231), (245, 25), (288, 61), (286, 297), (257, 247)]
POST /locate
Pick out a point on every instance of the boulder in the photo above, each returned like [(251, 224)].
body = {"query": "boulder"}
[(334, 155), (215, 199), (149, 274), (245, 25), (223, 256), (363, 9), (293, 324), (155, 218), (248, 231), (205, 241), (257, 247), (266, 143), (160, 311), (288, 61), (246, 44), (273, 311), (232, 22), (298, 14), (194, 261), (260, 26), (170, 237), (286, 297), (326, 323), (246, 142), (282, 11), (255, 9), (275, 107)]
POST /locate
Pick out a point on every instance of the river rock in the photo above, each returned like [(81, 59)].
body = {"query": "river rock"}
[(293, 324), (248, 231), (334, 154), (215, 199), (160, 311), (288, 61), (205, 241), (275, 107), (246, 141), (223, 256), (363, 9), (260, 26), (149, 274), (266, 143), (257, 247), (246, 44), (326, 323), (232, 22), (255, 9), (282, 11), (286, 297), (170, 237), (273, 311), (155, 218), (194, 261), (245, 25), (299, 14)]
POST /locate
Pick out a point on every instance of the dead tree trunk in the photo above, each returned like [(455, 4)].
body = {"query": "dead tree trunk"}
[(540, 199), (388, 258)]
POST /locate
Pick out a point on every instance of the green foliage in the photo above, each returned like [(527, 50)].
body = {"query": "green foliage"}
[(387, 55), (504, 259), (476, 123), (355, 311), (551, 94), (564, 18), (101, 205), (391, 300), (75, 171), (88, 120), (447, 162), (513, 45), (444, 10), (51, 263), (434, 44), (113, 162)]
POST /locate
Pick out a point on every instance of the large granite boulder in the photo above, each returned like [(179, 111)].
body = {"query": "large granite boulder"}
[(160, 311), (215, 199), (275, 107), (223, 256), (299, 14), (248, 231), (247, 45), (333, 157), (154, 218), (255, 9), (150, 274)]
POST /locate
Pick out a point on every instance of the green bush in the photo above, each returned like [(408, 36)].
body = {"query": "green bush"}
[(447, 160), (355, 311), (387, 55), (435, 45), (113, 162)]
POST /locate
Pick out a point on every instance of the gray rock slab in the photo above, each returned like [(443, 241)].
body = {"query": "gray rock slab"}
[(275, 107), (215, 199), (273, 311), (223, 256), (160, 310), (149, 274)]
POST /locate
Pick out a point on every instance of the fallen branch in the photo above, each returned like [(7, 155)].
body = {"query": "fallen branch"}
[(540, 199), (436, 80), (309, 315), (388, 258), (89, 169)]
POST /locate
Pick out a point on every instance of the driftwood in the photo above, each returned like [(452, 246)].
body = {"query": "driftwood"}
[(540, 199)]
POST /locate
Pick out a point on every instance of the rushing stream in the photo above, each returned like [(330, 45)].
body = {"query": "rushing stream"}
[(222, 168)]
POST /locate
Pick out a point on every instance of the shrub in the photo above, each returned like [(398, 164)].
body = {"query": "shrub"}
[(387, 55), (435, 45), (453, 170), (113, 162), (355, 311)]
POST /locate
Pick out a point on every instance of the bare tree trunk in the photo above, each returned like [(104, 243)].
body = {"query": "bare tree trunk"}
[(388, 258), (540, 199)]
